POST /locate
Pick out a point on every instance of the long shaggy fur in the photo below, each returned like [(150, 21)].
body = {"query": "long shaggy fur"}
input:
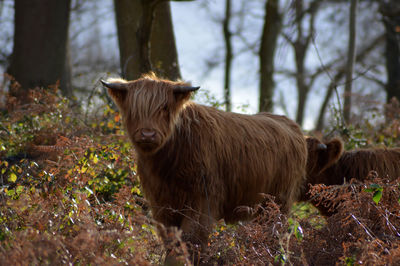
[(210, 163), (332, 166), (359, 163)]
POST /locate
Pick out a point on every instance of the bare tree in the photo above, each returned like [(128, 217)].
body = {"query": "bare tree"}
[(269, 38), (300, 46), (228, 55), (340, 74), (234, 31), (351, 52)]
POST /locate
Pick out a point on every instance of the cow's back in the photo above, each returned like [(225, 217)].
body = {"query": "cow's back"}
[(359, 163), (229, 160), (269, 157)]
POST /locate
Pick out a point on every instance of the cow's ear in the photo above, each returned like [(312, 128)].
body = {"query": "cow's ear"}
[(330, 155), (335, 149), (183, 92), (117, 90)]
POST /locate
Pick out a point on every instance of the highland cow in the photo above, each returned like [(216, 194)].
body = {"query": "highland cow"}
[(197, 164), (328, 164)]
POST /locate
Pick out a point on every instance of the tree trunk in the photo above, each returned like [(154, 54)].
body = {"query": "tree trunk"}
[(300, 49), (66, 78), (164, 56), (269, 39), (302, 87), (128, 15), (350, 61), (302, 94), (40, 44), (228, 55), (391, 20), (331, 87), (146, 39)]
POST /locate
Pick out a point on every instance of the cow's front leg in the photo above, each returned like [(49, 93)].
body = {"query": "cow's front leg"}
[(196, 226)]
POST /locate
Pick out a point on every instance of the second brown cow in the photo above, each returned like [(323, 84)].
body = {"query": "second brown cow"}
[(328, 164)]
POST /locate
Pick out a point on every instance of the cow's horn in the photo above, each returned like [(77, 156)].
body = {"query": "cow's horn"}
[(182, 89), (321, 146), (113, 85)]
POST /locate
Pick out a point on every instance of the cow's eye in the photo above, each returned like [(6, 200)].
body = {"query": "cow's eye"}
[(164, 111)]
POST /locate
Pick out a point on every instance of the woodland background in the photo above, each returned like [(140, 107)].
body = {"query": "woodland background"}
[(69, 191)]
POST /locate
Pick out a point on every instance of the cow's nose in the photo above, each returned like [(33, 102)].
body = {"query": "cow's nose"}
[(147, 133)]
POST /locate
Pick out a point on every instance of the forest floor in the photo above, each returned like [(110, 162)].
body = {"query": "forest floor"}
[(69, 194)]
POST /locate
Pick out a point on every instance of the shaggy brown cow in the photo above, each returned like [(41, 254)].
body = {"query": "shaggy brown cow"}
[(197, 164), (328, 164)]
